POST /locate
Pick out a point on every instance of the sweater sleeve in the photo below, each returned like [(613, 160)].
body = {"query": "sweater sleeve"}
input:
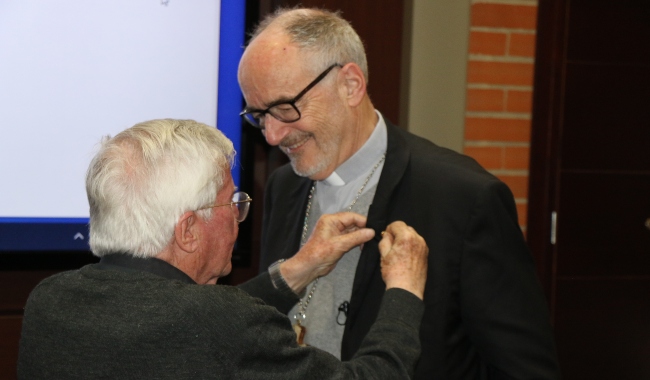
[(268, 349), (261, 287)]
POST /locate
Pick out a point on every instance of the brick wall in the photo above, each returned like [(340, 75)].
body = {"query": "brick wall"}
[(499, 91)]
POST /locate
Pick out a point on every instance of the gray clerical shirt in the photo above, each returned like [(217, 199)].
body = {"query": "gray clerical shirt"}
[(324, 322)]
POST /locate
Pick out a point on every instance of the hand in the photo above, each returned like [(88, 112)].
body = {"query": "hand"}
[(334, 235), (404, 256)]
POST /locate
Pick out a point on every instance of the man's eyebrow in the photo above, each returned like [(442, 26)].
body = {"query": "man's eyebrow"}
[(281, 100), (267, 105)]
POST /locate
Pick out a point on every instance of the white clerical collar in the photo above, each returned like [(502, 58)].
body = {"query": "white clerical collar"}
[(364, 159), (334, 180)]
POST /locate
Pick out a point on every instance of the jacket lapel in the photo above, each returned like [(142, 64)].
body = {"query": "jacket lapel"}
[(368, 270), (295, 216)]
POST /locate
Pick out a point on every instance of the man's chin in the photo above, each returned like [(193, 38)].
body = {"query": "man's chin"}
[(303, 171)]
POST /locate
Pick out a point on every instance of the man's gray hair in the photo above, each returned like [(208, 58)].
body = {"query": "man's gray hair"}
[(142, 181), (326, 35)]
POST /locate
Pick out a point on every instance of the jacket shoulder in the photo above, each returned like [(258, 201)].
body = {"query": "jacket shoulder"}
[(428, 160)]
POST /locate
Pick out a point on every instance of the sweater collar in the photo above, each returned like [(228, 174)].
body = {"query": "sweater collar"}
[(127, 262)]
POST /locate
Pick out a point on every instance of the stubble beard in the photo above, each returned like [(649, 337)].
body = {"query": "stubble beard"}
[(307, 171), (297, 159)]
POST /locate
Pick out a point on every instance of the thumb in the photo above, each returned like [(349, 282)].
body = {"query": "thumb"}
[(352, 239), (386, 243)]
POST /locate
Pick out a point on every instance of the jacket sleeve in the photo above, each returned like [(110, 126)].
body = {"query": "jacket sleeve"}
[(266, 346), (502, 303)]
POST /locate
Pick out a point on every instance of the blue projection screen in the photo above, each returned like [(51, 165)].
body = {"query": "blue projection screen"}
[(73, 71)]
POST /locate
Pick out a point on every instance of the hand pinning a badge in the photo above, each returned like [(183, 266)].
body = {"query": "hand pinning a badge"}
[(404, 256)]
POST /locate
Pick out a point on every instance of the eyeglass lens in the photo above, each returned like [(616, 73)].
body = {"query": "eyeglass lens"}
[(284, 112), (242, 201)]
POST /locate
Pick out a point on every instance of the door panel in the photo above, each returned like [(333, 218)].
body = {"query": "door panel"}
[(599, 31), (590, 163), (602, 329), (606, 116), (601, 227), (9, 337)]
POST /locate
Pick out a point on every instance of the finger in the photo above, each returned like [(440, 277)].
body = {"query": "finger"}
[(354, 238), (397, 227), (330, 225), (386, 242), (347, 230), (348, 219)]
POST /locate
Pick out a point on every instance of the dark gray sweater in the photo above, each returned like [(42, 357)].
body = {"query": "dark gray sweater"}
[(120, 322)]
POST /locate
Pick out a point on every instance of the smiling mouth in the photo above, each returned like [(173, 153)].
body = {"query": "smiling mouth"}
[(288, 149)]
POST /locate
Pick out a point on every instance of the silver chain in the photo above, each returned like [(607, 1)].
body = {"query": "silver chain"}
[(303, 303)]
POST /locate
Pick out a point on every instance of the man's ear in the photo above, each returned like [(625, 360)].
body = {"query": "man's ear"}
[(187, 233), (355, 83)]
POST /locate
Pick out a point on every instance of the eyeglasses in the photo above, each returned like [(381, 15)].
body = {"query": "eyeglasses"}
[(239, 199), (283, 110)]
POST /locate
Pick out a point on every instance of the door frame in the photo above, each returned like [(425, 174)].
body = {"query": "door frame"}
[(546, 122)]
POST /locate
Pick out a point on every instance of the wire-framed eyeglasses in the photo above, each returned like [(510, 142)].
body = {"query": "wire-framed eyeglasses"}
[(241, 201), (285, 111)]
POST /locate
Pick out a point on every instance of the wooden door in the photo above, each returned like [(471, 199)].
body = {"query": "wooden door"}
[(589, 210)]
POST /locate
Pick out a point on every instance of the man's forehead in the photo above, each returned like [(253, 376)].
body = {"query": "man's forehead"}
[(273, 52), (270, 44), (267, 82)]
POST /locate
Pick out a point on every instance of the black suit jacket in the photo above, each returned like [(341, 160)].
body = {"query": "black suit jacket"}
[(486, 315)]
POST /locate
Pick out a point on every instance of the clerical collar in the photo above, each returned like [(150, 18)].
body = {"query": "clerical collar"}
[(364, 159), (127, 262)]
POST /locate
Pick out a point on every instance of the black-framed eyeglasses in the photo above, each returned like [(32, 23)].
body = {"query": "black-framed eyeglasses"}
[(239, 199), (283, 110)]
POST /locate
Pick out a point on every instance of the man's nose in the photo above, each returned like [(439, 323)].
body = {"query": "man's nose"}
[(274, 130)]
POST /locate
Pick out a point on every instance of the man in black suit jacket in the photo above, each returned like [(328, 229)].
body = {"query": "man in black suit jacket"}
[(486, 316)]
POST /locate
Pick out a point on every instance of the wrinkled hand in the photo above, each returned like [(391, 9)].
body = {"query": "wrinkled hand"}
[(333, 235), (404, 256)]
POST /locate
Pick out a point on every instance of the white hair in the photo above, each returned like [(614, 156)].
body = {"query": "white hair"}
[(142, 181), (326, 35)]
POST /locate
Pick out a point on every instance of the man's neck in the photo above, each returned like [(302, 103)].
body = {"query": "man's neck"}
[(363, 159), (365, 121)]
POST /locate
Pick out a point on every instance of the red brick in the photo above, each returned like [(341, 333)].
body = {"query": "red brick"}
[(504, 16), (487, 43), (488, 157), (522, 45), (518, 184), (494, 129), (519, 101), (485, 100), (516, 158), (522, 213), (519, 74)]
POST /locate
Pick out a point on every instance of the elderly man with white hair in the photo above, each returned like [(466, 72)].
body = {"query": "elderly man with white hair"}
[(164, 216)]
